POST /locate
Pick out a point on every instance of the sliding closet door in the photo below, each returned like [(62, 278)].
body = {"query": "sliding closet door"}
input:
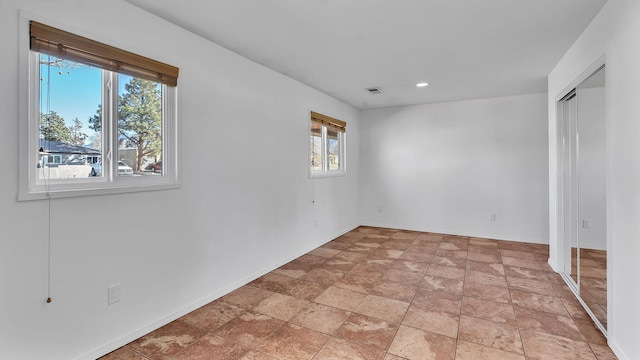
[(583, 193), (592, 229)]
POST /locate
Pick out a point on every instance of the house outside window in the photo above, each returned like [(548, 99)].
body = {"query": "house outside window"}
[(53, 159), (327, 145), (99, 116)]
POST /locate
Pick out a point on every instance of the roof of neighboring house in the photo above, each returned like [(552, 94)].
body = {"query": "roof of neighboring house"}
[(58, 147)]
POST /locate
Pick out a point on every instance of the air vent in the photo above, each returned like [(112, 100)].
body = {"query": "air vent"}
[(374, 90)]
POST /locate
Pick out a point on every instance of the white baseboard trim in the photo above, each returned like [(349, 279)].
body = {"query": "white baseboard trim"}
[(460, 233), (617, 351)]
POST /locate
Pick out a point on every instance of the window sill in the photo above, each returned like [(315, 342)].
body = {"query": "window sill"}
[(327, 174), (102, 190)]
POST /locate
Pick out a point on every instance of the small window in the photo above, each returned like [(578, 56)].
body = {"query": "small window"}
[(327, 145), (54, 160), (98, 115)]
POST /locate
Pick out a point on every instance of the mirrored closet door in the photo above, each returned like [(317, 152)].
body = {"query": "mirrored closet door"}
[(584, 193)]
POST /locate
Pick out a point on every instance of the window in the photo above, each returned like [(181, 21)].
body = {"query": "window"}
[(54, 159), (327, 145), (97, 117)]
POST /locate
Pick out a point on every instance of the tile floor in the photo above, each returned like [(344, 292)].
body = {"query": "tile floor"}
[(388, 294)]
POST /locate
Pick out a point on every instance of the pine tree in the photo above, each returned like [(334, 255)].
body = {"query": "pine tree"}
[(140, 118), (53, 128), (77, 137)]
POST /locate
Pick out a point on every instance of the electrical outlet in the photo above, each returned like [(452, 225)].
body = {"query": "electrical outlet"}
[(585, 224), (492, 217), (113, 294)]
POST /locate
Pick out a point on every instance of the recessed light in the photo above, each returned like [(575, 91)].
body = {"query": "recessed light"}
[(422, 84)]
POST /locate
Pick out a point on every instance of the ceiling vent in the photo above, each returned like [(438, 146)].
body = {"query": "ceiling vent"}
[(374, 90)]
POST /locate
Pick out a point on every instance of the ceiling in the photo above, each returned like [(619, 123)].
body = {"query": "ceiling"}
[(465, 49)]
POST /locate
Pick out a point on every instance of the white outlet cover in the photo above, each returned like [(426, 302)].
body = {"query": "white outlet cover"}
[(113, 294)]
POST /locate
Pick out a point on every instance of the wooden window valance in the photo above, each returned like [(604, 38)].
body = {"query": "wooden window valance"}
[(48, 40), (329, 121)]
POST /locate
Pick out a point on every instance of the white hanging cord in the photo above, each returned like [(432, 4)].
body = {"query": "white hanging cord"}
[(313, 189), (46, 176)]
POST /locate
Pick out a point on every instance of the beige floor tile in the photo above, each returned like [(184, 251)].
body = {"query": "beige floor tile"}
[(603, 352), (439, 322), (367, 331), (493, 293), (247, 296), (448, 272), (543, 346), (489, 333), (279, 306), (273, 282), (356, 283), (392, 357), (545, 322), (416, 344), (302, 289), (489, 310), (437, 301), (212, 347), (255, 355), (416, 256), (482, 278), (517, 254), (340, 298), (324, 252), (394, 290), (493, 268), (470, 351), (342, 349), (249, 328), (212, 315), (167, 340), (322, 276), (411, 266), (321, 318), (292, 342), (533, 301), (437, 283), (383, 308), (403, 277), (449, 261), (529, 285)]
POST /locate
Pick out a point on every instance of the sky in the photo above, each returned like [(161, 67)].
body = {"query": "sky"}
[(73, 92)]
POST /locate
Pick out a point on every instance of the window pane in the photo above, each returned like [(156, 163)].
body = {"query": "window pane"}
[(333, 146), (140, 141), (69, 129), (316, 147)]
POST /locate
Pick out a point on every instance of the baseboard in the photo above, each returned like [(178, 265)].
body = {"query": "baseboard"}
[(121, 341), (617, 351), (460, 233)]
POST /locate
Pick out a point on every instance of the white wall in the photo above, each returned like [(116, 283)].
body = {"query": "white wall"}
[(244, 207), (615, 32), (446, 167), (592, 199)]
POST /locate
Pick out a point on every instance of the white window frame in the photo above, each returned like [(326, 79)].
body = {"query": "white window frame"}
[(325, 172), (30, 188)]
